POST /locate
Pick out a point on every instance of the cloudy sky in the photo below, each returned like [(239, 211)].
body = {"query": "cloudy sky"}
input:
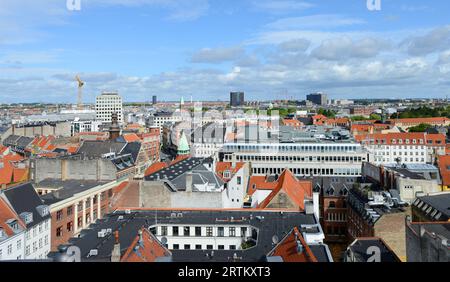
[(206, 48)]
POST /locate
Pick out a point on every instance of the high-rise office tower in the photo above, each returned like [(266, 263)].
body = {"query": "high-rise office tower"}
[(108, 103), (236, 99), (317, 98)]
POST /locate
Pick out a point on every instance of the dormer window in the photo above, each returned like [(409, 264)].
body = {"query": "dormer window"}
[(13, 224), (226, 174), (27, 217), (43, 210)]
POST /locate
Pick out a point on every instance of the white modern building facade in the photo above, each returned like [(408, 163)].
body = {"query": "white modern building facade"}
[(303, 159), (108, 103), (202, 237)]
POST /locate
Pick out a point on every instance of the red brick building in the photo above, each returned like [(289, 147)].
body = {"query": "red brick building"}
[(74, 208)]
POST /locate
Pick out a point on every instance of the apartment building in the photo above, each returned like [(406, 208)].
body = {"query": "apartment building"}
[(75, 204), (403, 147), (207, 139), (12, 233), (406, 123), (207, 235), (34, 223)]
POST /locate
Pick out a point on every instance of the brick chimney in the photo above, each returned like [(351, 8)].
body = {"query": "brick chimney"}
[(115, 255)]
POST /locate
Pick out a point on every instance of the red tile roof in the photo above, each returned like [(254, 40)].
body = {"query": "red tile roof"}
[(3, 149), (412, 121), (131, 138), (288, 248), (179, 158), (444, 169), (258, 182), (388, 138), (155, 167), (148, 249), (295, 189), (292, 122), (221, 167), (9, 174), (6, 213)]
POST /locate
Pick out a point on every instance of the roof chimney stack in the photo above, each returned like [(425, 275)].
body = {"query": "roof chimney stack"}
[(140, 237), (115, 256), (189, 181)]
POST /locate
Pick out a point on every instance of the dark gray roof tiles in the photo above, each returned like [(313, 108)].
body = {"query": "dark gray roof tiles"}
[(440, 202), (269, 224), (175, 170), (360, 250), (66, 188), (334, 186), (96, 149), (24, 198)]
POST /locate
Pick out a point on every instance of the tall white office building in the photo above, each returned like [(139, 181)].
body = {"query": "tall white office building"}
[(108, 103)]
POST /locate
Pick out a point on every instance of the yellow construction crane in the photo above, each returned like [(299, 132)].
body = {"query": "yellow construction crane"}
[(80, 92)]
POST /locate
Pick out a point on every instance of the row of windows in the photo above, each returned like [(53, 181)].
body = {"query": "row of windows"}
[(247, 158), (400, 153), (200, 247), (292, 148), (308, 171), (40, 227), (336, 217), (400, 141), (399, 147), (422, 160), (198, 231), (18, 247)]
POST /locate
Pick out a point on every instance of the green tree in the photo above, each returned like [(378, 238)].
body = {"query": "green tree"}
[(419, 128)]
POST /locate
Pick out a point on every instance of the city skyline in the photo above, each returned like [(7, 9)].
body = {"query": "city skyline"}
[(268, 49)]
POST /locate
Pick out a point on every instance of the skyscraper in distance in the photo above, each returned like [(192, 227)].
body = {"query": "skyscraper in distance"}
[(237, 99)]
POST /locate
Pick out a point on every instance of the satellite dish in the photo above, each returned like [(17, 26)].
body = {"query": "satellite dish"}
[(164, 240), (275, 239)]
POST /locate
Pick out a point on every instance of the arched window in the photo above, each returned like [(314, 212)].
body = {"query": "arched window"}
[(332, 204)]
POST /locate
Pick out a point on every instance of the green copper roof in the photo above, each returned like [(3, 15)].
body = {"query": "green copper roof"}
[(183, 145)]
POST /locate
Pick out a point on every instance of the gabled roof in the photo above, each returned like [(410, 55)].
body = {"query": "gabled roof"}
[(132, 137), (200, 176), (296, 190), (293, 248), (99, 148), (8, 172), (258, 182), (19, 141), (155, 167), (360, 246), (221, 167), (421, 120), (23, 198), (444, 169), (6, 213), (147, 249), (133, 149)]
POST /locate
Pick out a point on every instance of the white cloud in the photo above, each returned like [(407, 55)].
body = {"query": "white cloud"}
[(435, 40), (281, 6), (314, 21), (217, 55), (345, 48), (179, 10), (295, 45)]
